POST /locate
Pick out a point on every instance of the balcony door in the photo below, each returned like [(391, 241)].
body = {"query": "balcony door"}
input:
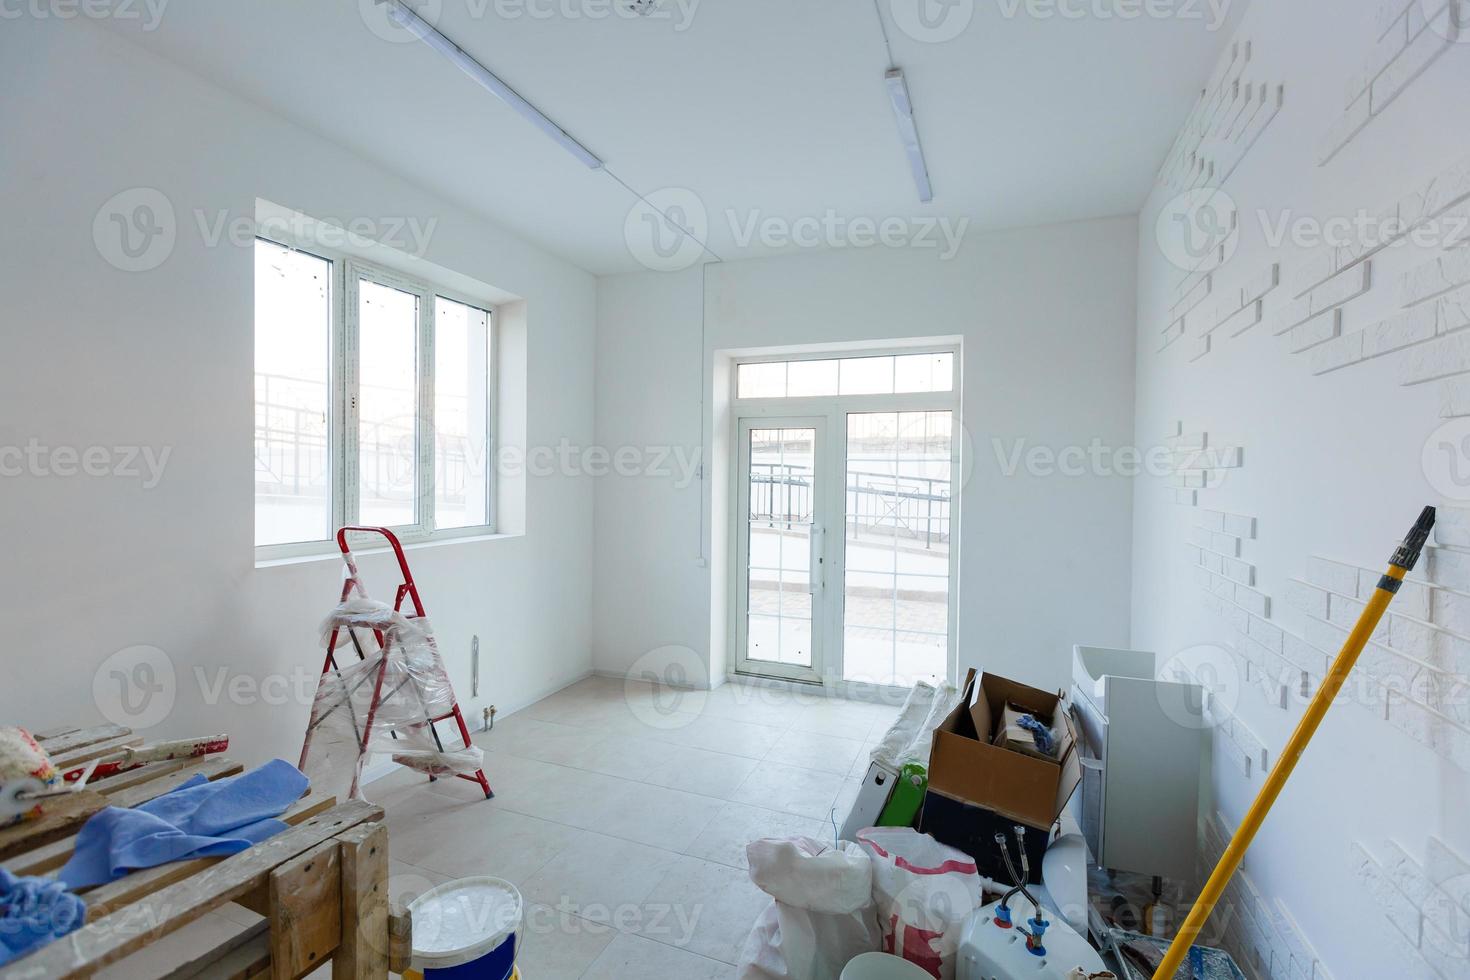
[(844, 520)]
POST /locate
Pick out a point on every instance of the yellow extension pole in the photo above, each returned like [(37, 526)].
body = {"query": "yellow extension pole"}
[(1403, 561)]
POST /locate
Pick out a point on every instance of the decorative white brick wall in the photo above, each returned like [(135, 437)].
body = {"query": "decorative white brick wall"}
[(1260, 933), (1412, 35), (1428, 905)]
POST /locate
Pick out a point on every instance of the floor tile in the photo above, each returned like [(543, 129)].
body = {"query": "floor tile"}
[(602, 879), (480, 839), (804, 792), (700, 771), (808, 750), (627, 957), (703, 908), (558, 945), (737, 824)]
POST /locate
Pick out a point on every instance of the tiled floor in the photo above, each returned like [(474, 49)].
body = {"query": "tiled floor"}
[(622, 814)]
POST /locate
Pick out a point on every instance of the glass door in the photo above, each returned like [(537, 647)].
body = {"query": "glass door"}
[(781, 546)]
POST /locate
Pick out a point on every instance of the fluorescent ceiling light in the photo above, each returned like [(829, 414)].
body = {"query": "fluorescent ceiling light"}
[(404, 17), (908, 132)]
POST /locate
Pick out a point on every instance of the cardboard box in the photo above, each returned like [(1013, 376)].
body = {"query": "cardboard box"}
[(977, 788)]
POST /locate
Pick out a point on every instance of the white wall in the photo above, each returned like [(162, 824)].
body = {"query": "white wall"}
[(1332, 468), (1045, 318), (98, 357)]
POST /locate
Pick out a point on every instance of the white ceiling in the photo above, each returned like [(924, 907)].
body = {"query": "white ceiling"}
[(775, 108)]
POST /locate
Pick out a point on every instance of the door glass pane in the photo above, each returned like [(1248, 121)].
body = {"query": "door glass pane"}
[(896, 581), (462, 359), (293, 374), (388, 395), (810, 379), (782, 493), (761, 380), (923, 372)]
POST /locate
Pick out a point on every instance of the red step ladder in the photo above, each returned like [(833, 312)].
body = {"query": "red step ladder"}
[(406, 590)]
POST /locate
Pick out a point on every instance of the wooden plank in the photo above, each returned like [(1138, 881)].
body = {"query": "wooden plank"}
[(365, 942), (400, 939), (62, 817), (244, 961), (142, 790), (305, 911), (77, 737), (54, 855), (52, 734), (109, 898), (110, 939), (97, 750), (234, 958)]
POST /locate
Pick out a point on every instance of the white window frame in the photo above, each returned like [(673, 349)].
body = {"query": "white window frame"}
[(343, 472), (836, 408)]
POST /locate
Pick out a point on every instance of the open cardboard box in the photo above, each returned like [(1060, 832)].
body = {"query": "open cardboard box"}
[(977, 788)]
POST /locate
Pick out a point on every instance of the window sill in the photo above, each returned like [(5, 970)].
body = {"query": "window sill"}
[(331, 554)]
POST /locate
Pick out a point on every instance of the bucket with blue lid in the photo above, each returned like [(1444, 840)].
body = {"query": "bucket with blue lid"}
[(467, 929)]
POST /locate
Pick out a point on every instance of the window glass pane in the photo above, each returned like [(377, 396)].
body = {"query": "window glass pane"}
[(811, 379), (293, 373), (923, 372), (387, 405), (462, 359), (761, 380), (867, 376)]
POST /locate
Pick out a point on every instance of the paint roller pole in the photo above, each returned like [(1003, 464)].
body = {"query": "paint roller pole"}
[(1404, 559)]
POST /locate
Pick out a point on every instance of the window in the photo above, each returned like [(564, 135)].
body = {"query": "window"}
[(373, 403), (898, 374)]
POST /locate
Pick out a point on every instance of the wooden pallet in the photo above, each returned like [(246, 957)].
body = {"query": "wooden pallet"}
[(321, 885)]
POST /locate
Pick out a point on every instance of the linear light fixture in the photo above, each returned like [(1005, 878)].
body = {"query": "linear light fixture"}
[(908, 132), (405, 17)]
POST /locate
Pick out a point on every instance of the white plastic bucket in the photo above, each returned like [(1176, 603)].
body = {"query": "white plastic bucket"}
[(468, 928), (881, 966)]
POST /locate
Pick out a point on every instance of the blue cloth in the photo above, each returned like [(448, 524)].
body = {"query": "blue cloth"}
[(33, 912), (198, 819), (1040, 734)]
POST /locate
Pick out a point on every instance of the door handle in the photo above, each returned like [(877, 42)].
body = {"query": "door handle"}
[(817, 565)]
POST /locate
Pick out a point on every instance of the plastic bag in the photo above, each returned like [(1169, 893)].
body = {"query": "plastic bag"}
[(909, 738), (822, 913), (925, 892), (412, 687)]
